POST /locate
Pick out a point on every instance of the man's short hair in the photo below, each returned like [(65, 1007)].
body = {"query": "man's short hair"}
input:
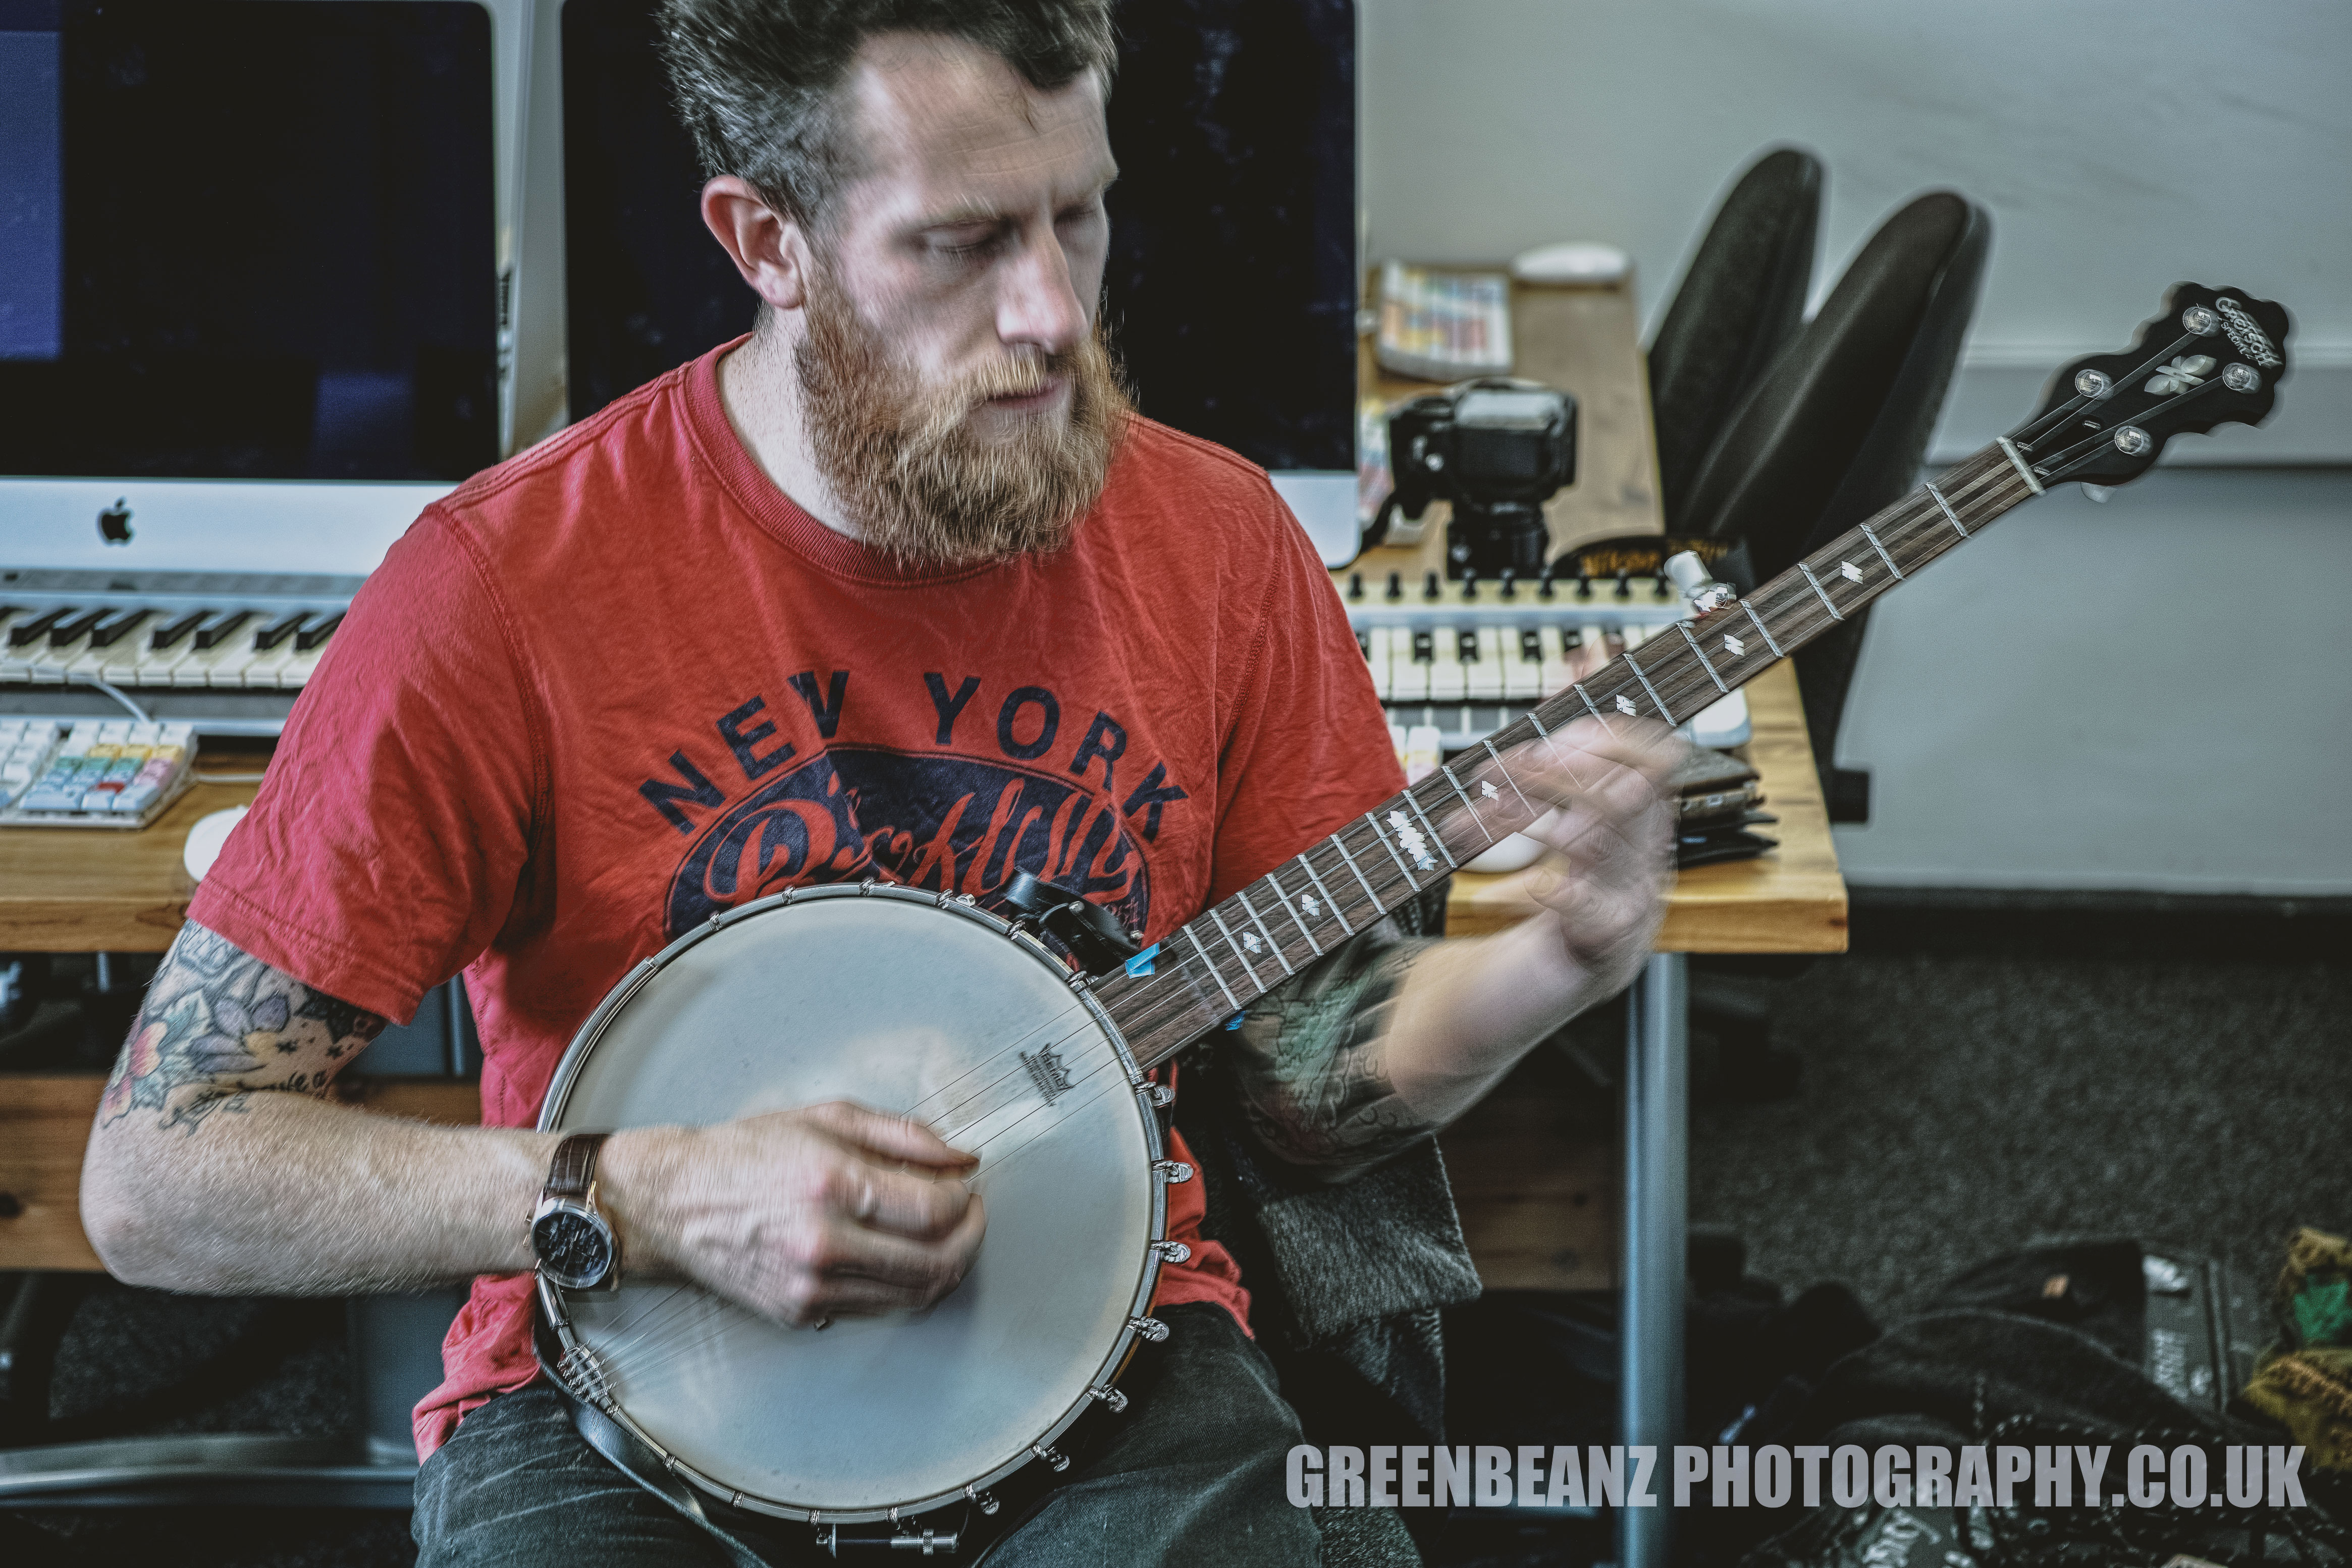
[(757, 82)]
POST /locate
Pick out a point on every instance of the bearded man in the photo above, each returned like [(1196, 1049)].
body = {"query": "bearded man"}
[(897, 586)]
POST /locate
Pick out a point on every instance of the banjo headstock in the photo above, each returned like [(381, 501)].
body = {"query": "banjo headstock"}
[(2215, 356)]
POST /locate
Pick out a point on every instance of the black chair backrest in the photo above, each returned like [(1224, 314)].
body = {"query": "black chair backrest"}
[(1839, 427), (1739, 301)]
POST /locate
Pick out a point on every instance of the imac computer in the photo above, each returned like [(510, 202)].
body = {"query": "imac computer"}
[(250, 289)]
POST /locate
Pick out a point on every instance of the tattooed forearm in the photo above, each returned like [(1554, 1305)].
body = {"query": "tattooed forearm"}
[(218, 1025), (1310, 1065)]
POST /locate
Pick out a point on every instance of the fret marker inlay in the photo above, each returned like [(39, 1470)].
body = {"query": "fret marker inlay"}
[(1733, 645), (1850, 572), (1625, 706), (1410, 837)]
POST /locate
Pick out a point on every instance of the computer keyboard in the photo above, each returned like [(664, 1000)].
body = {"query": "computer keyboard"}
[(91, 773)]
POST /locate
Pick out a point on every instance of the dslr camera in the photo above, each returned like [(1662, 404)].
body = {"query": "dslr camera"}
[(1496, 449)]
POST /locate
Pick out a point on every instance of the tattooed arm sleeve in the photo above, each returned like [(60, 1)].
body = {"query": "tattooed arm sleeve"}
[(219, 1026), (1310, 1066), (218, 1161)]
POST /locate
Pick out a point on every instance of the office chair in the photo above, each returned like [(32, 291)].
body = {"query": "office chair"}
[(1837, 429), (394, 1345), (1740, 301)]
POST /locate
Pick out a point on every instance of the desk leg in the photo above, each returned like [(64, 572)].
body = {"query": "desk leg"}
[(1656, 1240)]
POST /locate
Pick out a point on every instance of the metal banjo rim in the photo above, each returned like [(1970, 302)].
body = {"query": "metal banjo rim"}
[(583, 1044)]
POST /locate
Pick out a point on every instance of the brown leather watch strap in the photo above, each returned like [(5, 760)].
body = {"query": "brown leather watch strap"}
[(574, 1166)]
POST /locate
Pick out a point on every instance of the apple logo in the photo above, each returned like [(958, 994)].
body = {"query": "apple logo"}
[(114, 523)]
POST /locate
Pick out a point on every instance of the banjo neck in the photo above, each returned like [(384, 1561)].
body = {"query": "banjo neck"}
[(1204, 974), (2210, 357)]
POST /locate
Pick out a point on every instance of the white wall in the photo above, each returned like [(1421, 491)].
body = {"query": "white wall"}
[(2119, 147), (2148, 695)]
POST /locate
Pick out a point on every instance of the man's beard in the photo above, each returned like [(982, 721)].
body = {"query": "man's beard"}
[(918, 483)]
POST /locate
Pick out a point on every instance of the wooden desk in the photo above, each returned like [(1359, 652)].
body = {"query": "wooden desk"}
[(1792, 901), (65, 890)]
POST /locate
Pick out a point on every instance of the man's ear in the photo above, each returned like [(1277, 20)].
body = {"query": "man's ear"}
[(769, 248)]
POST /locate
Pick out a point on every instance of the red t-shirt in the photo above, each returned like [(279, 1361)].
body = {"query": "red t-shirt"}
[(547, 739)]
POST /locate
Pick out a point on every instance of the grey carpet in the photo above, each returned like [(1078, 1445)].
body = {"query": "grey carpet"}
[(1953, 1107)]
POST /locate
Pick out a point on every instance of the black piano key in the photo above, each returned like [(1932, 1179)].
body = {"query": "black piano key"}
[(315, 633), (217, 631), (73, 631), (1424, 647), (277, 632), (166, 635), (1466, 644), (1531, 646), (33, 630), (108, 635)]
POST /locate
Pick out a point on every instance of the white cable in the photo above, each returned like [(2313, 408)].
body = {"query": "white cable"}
[(111, 689)]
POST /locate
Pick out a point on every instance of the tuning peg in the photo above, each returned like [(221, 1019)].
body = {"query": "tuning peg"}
[(1624, 583), (1543, 586), (1396, 586), (1469, 586), (1355, 585), (1429, 588), (1510, 585)]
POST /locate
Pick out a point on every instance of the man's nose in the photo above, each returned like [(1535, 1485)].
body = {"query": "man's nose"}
[(1036, 303)]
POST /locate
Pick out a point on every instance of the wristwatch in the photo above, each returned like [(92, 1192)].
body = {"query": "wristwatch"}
[(569, 1235)]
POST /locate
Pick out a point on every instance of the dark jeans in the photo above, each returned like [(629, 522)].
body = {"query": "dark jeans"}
[(1192, 1473)]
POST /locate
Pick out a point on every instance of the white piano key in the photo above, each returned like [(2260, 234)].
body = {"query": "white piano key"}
[(295, 671), (1522, 676), (1408, 672), (1556, 659), (1376, 656), (1485, 673), (49, 664), (263, 668), (220, 665), (1447, 684)]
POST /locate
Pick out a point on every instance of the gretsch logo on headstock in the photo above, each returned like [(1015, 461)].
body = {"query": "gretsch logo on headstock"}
[(2248, 337), (1046, 1071)]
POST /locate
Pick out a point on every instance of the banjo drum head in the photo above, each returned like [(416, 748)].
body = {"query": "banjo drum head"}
[(889, 1001)]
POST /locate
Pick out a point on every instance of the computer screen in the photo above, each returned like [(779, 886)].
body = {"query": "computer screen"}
[(1231, 287), (247, 239)]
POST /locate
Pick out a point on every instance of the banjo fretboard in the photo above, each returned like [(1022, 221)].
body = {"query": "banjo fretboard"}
[(1208, 971)]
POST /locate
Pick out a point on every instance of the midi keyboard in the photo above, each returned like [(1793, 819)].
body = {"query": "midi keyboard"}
[(224, 651), (1469, 658)]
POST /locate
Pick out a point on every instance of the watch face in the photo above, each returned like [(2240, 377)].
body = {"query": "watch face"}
[(573, 1247)]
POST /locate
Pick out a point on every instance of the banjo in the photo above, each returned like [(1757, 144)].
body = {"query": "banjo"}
[(1037, 1062)]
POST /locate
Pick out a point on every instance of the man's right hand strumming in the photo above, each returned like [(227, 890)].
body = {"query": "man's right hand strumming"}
[(831, 1210)]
